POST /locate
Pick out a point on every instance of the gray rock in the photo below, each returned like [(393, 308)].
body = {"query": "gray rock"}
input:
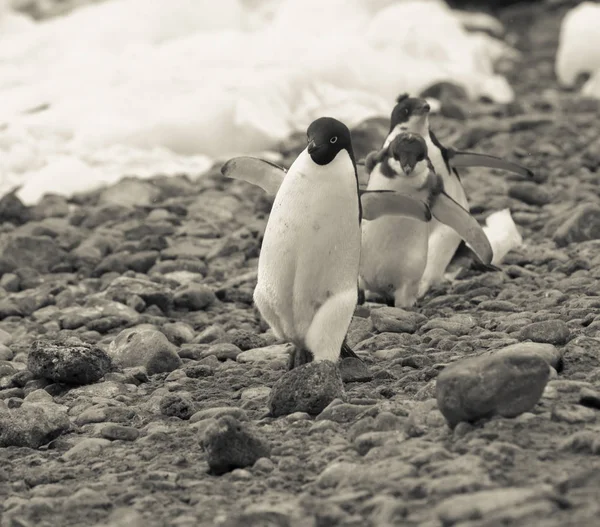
[(230, 444), (354, 370), (224, 351), (219, 411), (258, 519), (114, 431), (194, 297), (480, 387), (308, 388), (530, 193), (551, 354), (573, 414), (268, 353), (589, 398), (39, 252), (178, 332), (582, 225), (32, 424), (548, 331), (342, 412), (145, 346), (396, 320), (123, 288), (69, 364), (178, 404)]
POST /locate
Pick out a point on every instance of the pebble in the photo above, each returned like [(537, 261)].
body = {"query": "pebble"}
[(114, 431), (583, 224), (308, 388), (480, 505), (230, 444), (219, 411), (573, 414), (354, 370), (590, 398), (144, 346), (530, 193), (274, 352), (178, 404), (223, 351), (194, 297), (548, 331), (69, 364), (480, 387), (396, 320)]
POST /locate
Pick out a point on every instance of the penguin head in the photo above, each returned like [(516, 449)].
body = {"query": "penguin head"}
[(408, 149), (410, 113), (326, 138)]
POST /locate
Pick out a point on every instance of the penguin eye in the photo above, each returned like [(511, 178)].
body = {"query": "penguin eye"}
[(333, 140)]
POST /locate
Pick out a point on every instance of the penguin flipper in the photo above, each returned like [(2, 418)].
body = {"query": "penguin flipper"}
[(259, 172), (376, 203), (460, 159), (465, 256), (450, 213)]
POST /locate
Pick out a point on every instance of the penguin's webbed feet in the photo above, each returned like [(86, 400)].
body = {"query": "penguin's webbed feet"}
[(299, 357)]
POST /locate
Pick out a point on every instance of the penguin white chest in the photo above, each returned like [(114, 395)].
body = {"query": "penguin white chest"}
[(311, 246)]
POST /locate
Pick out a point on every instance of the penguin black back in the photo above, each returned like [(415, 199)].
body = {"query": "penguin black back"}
[(406, 107), (326, 138)]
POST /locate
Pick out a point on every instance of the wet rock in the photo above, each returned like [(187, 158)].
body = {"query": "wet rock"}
[(530, 193), (69, 364), (32, 424), (549, 331), (483, 386), (194, 297), (144, 346), (308, 388), (582, 225), (178, 404), (396, 320), (230, 444), (354, 370)]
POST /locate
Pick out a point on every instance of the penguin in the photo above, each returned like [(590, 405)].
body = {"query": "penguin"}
[(309, 260), (411, 114), (395, 250)]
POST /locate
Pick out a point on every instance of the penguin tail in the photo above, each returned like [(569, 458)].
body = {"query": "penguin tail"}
[(347, 351)]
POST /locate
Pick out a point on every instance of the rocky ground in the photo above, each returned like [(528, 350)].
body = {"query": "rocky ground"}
[(135, 373)]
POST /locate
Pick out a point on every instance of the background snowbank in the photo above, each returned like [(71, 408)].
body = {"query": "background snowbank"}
[(148, 86)]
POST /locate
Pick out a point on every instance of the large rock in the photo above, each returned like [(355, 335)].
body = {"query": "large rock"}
[(41, 253), (480, 387), (32, 424), (146, 346), (123, 288), (230, 444), (67, 363), (582, 225), (548, 331), (308, 388)]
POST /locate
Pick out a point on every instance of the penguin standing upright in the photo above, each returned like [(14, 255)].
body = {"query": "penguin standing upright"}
[(395, 251), (309, 259), (411, 114)]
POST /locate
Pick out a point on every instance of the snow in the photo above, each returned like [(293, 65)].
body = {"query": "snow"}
[(147, 86), (579, 48)]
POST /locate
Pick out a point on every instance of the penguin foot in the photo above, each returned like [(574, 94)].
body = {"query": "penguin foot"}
[(299, 357), (347, 352)]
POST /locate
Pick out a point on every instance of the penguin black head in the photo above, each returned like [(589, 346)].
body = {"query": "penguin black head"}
[(408, 149), (408, 108), (326, 138)]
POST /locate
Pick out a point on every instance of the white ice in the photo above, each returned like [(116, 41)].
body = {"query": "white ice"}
[(149, 86), (579, 48)]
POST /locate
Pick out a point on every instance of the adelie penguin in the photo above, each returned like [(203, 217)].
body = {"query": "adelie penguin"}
[(411, 114), (310, 255), (395, 251)]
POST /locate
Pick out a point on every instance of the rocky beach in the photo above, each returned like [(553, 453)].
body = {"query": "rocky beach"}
[(139, 387)]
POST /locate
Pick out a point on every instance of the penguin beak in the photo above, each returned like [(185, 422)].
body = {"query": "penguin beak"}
[(424, 109), (407, 162), (313, 147)]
